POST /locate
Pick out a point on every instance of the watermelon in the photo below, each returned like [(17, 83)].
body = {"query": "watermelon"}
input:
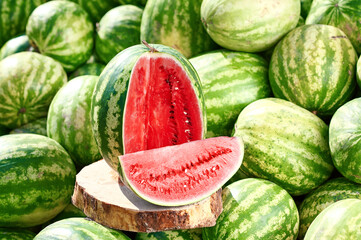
[(69, 120), (314, 67), (177, 24), (16, 234), (140, 3), (285, 144), (182, 174), (96, 8), (185, 234), (249, 26), (15, 45), (117, 30), (358, 73), (345, 142), (37, 179), (88, 69), (305, 7), (333, 190), (14, 16), (28, 83), (38, 127), (340, 220), (230, 81), (62, 30), (345, 15), (255, 209), (69, 211), (133, 80), (80, 229)]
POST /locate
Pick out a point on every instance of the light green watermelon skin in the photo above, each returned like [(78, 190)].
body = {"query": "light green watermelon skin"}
[(117, 30), (16, 234), (340, 220), (186, 234), (358, 73), (37, 178), (110, 96), (95, 8), (62, 30), (69, 121), (15, 45), (230, 81), (305, 7), (28, 83), (333, 190), (249, 26), (255, 209), (345, 15), (314, 67), (345, 142), (176, 24), (38, 127), (80, 229), (88, 69), (285, 144), (14, 16)]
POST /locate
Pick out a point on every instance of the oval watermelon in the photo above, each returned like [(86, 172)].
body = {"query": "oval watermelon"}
[(15, 45), (88, 69), (16, 234), (38, 127)]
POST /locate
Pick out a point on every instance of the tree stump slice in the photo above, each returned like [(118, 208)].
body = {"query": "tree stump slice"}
[(103, 198)]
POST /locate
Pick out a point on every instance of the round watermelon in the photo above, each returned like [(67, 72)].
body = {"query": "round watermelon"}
[(15, 45), (88, 69), (38, 127), (96, 8), (16, 234), (185, 234), (28, 83)]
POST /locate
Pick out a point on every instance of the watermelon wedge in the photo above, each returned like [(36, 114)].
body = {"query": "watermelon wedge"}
[(182, 174)]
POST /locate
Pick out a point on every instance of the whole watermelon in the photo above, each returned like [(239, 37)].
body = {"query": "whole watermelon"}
[(88, 69), (15, 45), (16, 234), (37, 126)]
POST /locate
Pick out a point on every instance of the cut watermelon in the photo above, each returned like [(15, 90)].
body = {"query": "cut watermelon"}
[(182, 174)]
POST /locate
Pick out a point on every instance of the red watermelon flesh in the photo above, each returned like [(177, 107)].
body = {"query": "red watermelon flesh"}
[(163, 109), (182, 174)]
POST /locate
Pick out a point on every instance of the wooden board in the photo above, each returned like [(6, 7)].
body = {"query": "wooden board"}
[(107, 201)]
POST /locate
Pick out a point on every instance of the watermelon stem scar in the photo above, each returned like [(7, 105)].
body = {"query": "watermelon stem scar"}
[(152, 49)]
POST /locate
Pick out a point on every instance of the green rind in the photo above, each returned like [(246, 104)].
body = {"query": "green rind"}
[(358, 72), (28, 83), (69, 120), (176, 24), (38, 127), (186, 234), (37, 179), (15, 45), (345, 139), (249, 26), (69, 211), (328, 193), (110, 95), (62, 30), (79, 229), (340, 220), (314, 67), (345, 15), (305, 7), (255, 209), (14, 15), (230, 81), (140, 3), (16, 234), (285, 144), (95, 8), (117, 30), (88, 69)]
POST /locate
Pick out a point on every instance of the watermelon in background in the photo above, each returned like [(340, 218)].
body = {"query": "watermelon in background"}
[(255, 209), (285, 144), (345, 15), (62, 30), (16, 234), (28, 83), (230, 81), (177, 24), (15, 45), (37, 126), (314, 67), (94, 69), (96, 8), (305, 7), (249, 26), (37, 179), (186, 234), (117, 30)]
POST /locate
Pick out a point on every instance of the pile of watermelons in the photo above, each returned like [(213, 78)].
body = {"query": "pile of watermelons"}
[(78, 85)]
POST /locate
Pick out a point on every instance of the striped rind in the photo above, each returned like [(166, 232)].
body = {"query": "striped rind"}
[(316, 201), (255, 209), (62, 30), (37, 126), (96, 9), (285, 144), (117, 30), (254, 26), (230, 81), (70, 211), (110, 96), (340, 220), (14, 15), (345, 139), (176, 24), (345, 15), (69, 120), (16, 234), (15, 45), (80, 229), (37, 179), (358, 72), (88, 69), (28, 83), (314, 67), (184, 234)]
